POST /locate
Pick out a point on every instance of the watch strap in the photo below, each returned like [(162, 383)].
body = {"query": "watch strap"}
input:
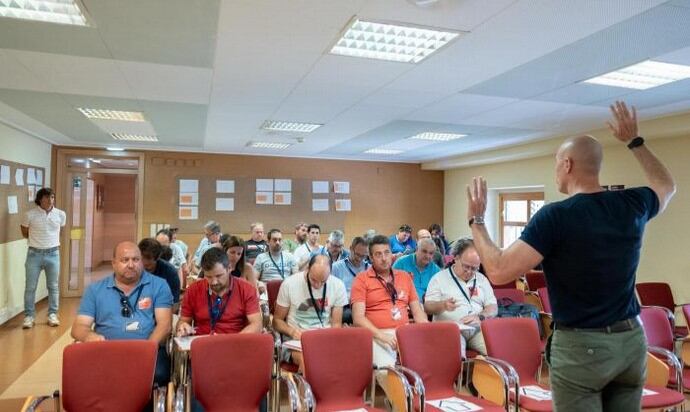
[(636, 142)]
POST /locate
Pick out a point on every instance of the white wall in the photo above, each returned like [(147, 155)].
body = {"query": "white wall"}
[(16, 146)]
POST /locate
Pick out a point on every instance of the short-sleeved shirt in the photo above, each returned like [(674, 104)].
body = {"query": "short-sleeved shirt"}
[(44, 228), (252, 248), (167, 272), (243, 302), (178, 258), (421, 279), (271, 267), (478, 289), (101, 301), (370, 290), (183, 247), (291, 245), (204, 245), (591, 248), (304, 252), (347, 272), (294, 295), (397, 247)]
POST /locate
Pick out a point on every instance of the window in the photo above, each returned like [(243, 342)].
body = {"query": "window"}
[(516, 209)]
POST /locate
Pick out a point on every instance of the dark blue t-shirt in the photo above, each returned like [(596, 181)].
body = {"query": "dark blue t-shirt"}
[(168, 272), (591, 248)]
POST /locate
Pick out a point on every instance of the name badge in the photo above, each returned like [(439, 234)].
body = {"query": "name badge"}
[(132, 326), (395, 313), (144, 303)]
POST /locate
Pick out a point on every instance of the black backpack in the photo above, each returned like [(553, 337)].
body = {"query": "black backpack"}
[(507, 308)]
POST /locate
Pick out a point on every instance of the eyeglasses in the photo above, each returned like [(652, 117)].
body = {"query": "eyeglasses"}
[(126, 311), (469, 268)]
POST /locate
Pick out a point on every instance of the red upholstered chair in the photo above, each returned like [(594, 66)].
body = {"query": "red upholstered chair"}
[(660, 294), (657, 396), (535, 280), (516, 295), (430, 358), (272, 288), (509, 285), (659, 335), (516, 341), (337, 381), (232, 372)]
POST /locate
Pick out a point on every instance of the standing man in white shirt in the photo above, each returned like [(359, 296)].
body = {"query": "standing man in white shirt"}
[(42, 226), (311, 247)]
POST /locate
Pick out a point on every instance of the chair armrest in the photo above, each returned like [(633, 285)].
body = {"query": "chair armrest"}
[(503, 371), (265, 316), (160, 395), (179, 401), (32, 402), (672, 361), (294, 393), (400, 374)]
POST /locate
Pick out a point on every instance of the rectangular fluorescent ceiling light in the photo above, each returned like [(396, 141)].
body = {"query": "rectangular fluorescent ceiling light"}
[(296, 127), (383, 151), (104, 114), (50, 11), (644, 75), (394, 42), (134, 137), (269, 145), (437, 137)]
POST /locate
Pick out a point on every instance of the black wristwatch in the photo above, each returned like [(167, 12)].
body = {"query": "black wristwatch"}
[(636, 142), (476, 220)]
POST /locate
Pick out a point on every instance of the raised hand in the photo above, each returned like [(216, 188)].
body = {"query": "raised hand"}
[(624, 125), (476, 197)]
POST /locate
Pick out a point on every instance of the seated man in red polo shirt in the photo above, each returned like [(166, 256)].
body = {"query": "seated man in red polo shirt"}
[(380, 300), (219, 303)]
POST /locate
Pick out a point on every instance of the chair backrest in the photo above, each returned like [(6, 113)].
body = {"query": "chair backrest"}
[(433, 351), (272, 289), (656, 326), (232, 372), (516, 295), (535, 280), (114, 375), (543, 294), (516, 341), (656, 294), (338, 366)]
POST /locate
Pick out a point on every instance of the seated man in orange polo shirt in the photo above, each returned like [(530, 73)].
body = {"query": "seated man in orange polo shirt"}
[(380, 300)]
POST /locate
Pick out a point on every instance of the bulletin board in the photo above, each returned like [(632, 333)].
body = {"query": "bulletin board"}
[(25, 194)]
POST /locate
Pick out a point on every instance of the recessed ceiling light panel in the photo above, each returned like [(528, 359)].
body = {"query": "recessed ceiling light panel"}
[(389, 41), (269, 145), (134, 137), (644, 75), (50, 11), (383, 151), (295, 127), (437, 137), (105, 114)]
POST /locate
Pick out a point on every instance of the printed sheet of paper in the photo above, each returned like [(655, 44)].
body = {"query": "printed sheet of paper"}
[(282, 185), (19, 177), (264, 185), (319, 186), (153, 230), (264, 198), (189, 199), (343, 205), (225, 186), (4, 174), (184, 343), (32, 193), (293, 345), (319, 205), (282, 198), (647, 392), (189, 213), (189, 186), (341, 187), (12, 205), (225, 204), (39, 177), (454, 404), (30, 176), (535, 392)]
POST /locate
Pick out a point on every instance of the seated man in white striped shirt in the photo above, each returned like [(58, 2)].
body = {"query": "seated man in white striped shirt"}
[(275, 263)]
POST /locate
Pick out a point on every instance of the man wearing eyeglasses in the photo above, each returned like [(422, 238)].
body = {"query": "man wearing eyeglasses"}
[(347, 269), (131, 304), (462, 294), (381, 297), (419, 264), (211, 237)]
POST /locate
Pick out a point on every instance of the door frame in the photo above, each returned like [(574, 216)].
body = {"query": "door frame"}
[(62, 185)]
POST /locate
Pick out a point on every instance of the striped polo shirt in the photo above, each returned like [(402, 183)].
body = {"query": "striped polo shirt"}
[(44, 228)]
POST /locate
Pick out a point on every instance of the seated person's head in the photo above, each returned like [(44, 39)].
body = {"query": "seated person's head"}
[(150, 252), (436, 230), (369, 234), (336, 241), (257, 230), (212, 231), (275, 240), (423, 234), (234, 249), (215, 263), (313, 233), (164, 237), (466, 258), (318, 270), (359, 250), (301, 232), (380, 253), (425, 251), (404, 233), (127, 263)]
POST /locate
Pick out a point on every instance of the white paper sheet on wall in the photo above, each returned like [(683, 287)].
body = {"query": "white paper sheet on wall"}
[(225, 186), (264, 185), (189, 199), (152, 230), (39, 177), (283, 185), (12, 205), (188, 213), (343, 205), (189, 185), (4, 174), (30, 176), (319, 205), (282, 198), (318, 186), (225, 204), (19, 177), (264, 198), (341, 187)]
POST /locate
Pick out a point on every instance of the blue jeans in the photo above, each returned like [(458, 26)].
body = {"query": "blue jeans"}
[(37, 260)]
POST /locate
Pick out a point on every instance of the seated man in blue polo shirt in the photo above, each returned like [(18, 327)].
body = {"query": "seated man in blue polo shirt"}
[(131, 304), (402, 242), (420, 265)]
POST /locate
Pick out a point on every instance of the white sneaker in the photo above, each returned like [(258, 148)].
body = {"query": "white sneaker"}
[(53, 320), (28, 322)]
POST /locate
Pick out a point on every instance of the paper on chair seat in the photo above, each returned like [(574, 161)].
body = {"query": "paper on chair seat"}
[(534, 392), (293, 345), (454, 404), (184, 343), (647, 392), (463, 326)]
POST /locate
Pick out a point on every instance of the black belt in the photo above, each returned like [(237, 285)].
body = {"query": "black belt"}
[(49, 250), (617, 327)]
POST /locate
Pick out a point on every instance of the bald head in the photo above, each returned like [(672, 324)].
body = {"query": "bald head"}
[(318, 271), (585, 155), (127, 264), (122, 247), (423, 234)]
